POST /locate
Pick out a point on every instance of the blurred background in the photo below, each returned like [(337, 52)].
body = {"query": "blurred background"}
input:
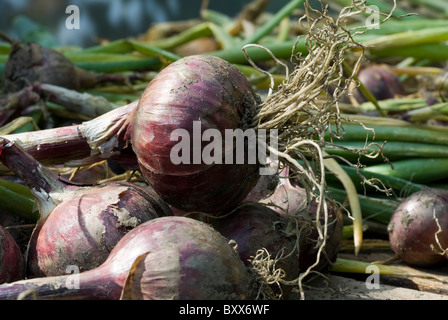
[(109, 19)]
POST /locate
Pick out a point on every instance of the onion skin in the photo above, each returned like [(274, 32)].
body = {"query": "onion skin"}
[(195, 88), (26, 64), (12, 263), (207, 268), (254, 227), (286, 197), (412, 228)]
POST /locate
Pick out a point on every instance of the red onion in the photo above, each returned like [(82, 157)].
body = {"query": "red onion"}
[(12, 263), (329, 253), (380, 81), (291, 201), (256, 227), (78, 226), (82, 144), (190, 96), (266, 184), (418, 229), (164, 258)]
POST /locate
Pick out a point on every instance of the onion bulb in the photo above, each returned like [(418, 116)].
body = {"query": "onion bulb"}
[(291, 201), (286, 197), (380, 81), (179, 107)]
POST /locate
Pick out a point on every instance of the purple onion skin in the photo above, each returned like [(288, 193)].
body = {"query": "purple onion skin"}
[(195, 88), (286, 198), (170, 258), (83, 230), (256, 226), (412, 228), (29, 63), (12, 263), (381, 82)]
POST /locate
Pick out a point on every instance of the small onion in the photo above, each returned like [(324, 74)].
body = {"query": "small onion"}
[(210, 93), (12, 263), (165, 258), (78, 226), (380, 81), (418, 229)]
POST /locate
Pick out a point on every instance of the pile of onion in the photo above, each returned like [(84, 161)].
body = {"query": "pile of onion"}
[(78, 225), (164, 258), (418, 229)]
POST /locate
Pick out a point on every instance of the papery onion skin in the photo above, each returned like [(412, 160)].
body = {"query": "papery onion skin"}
[(209, 268), (414, 227), (195, 88), (330, 251), (83, 230), (286, 198), (12, 263)]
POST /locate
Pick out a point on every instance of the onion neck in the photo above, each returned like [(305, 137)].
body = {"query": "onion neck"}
[(96, 284), (101, 138)]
